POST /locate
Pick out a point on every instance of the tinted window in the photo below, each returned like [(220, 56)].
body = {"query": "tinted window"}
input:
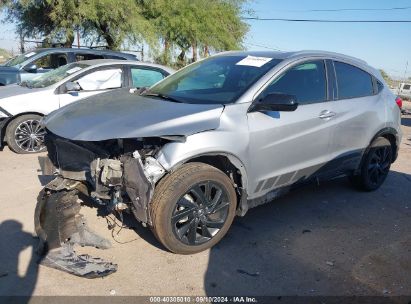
[(80, 57), (406, 87), (215, 80), (305, 81), (50, 61), (352, 81), (144, 77)]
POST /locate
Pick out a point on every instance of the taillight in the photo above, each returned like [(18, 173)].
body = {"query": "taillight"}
[(398, 100)]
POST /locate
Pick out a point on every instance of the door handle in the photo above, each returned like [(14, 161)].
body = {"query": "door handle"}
[(326, 114)]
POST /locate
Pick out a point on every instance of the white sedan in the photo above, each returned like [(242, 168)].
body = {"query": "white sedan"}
[(22, 106)]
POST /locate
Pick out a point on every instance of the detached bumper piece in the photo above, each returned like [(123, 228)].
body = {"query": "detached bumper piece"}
[(60, 226)]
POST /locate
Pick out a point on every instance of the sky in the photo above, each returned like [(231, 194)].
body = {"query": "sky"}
[(383, 45)]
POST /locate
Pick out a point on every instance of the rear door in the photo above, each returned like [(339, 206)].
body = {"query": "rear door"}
[(286, 147), (359, 114), (144, 76)]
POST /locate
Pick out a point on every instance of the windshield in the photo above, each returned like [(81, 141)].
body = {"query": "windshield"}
[(18, 60), (216, 80), (54, 76)]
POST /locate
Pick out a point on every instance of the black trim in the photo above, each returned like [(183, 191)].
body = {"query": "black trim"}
[(3, 124), (332, 79), (5, 112)]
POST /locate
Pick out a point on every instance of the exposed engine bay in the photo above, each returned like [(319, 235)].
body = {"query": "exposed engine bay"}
[(118, 174)]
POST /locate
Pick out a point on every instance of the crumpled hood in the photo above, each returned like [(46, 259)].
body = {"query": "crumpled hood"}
[(120, 114)]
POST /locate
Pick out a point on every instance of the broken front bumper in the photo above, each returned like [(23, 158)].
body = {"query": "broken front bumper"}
[(59, 226), (88, 171)]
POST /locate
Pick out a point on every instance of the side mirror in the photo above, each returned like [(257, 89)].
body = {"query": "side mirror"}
[(31, 68), (275, 102), (72, 87)]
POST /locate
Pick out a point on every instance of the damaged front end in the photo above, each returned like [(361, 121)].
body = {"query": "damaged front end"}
[(119, 174)]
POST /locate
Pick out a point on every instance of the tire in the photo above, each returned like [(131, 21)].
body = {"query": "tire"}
[(24, 134), (181, 202), (375, 166)]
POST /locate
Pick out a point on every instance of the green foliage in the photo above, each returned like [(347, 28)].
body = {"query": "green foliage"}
[(181, 26), (386, 77), (200, 24)]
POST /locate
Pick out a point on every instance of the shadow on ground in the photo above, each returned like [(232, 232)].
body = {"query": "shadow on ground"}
[(319, 240), (17, 279)]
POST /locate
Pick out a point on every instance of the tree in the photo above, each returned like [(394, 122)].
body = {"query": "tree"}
[(110, 19), (201, 24), (386, 77)]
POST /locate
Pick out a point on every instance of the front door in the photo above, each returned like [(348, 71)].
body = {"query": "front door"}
[(93, 83), (286, 147)]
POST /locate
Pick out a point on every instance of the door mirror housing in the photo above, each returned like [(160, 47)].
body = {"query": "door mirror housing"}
[(72, 87), (275, 102), (31, 68)]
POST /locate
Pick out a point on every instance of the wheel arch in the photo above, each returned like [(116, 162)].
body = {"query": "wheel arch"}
[(232, 167), (391, 135), (6, 126)]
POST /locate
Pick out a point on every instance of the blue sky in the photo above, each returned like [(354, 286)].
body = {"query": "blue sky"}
[(386, 46)]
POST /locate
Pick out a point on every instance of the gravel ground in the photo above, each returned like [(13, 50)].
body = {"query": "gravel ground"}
[(319, 240)]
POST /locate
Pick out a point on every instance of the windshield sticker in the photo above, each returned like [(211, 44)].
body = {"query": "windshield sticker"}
[(30, 54), (73, 70), (254, 61)]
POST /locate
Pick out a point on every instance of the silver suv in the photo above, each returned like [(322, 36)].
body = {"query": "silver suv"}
[(220, 136)]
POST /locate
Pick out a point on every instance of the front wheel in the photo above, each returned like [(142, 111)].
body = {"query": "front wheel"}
[(25, 135), (375, 165), (193, 208)]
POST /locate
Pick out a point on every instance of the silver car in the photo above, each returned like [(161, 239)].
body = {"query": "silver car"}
[(218, 137)]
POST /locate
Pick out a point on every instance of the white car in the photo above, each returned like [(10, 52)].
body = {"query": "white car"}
[(22, 106)]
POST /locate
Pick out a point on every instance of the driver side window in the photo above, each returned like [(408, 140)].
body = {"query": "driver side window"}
[(306, 81), (101, 80)]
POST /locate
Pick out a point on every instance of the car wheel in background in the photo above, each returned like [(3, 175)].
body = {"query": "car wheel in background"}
[(375, 165), (25, 135), (193, 208)]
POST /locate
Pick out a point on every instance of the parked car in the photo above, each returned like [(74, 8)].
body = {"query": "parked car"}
[(31, 64), (22, 106), (216, 138), (403, 91)]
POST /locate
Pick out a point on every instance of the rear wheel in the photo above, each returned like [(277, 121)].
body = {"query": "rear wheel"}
[(25, 135), (375, 165), (193, 208)]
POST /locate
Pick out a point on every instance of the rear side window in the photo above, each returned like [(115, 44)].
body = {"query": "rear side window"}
[(80, 57), (352, 82), (144, 77), (305, 81)]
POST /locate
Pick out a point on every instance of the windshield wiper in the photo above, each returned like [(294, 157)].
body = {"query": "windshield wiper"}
[(163, 96)]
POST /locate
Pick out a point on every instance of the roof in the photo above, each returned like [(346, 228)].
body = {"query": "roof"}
[(100, 62), (296, 54), (82, 50)]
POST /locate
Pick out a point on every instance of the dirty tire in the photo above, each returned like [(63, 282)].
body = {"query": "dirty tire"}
[(374, 166), (25, 125), (166, 205)]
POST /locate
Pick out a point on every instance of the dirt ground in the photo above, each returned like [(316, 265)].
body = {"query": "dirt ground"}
[(319, 240)]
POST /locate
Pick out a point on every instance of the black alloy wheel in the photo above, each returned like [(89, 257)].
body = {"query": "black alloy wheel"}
[(200, 213)]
